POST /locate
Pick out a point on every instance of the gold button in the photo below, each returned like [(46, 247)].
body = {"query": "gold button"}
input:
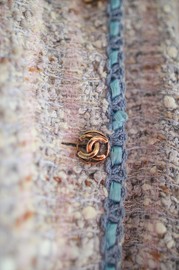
[(93, 147)]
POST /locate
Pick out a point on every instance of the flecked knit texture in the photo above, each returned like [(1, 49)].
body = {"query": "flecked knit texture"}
[(37, 52), (53, 87), (152, 68)]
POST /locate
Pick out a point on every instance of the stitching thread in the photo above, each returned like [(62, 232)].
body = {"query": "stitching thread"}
[(115, 164)]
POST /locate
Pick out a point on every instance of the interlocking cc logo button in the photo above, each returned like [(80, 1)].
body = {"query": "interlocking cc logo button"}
[(93, 147)]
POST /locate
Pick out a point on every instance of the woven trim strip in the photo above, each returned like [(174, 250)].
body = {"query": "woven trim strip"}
[(115, 165)]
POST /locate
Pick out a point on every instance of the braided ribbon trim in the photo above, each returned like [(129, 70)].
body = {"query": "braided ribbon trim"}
[(115, 164)]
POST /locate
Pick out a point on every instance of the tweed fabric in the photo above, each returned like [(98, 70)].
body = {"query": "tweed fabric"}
[(53, 87), (151, 49)]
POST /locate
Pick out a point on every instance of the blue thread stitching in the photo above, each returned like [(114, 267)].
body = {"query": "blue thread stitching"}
[(115, 165)]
